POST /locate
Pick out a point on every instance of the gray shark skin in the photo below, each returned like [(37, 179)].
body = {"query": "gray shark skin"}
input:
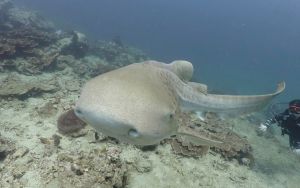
[(140, 103)]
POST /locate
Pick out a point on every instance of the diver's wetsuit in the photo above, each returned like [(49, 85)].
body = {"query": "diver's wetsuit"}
[(290, 124)]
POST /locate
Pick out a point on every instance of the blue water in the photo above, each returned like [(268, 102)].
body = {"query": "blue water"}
[(236, 46)]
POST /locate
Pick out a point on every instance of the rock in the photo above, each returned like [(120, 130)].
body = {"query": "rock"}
[(20, 152), (6, 147), (143, 166), (76, 169), (19, 172), (91, 169)]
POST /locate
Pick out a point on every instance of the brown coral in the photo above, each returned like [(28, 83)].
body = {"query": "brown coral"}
[(68, 122)]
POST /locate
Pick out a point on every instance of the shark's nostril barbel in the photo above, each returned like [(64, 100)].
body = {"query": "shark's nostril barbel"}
[(78, 111)]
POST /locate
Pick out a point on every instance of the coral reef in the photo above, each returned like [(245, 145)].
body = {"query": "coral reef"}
[(117, 53), (30, 45), (68, 122), (13, 17), (31, 51), (96, 168), (23, 41), (5, 5), (78, 47)]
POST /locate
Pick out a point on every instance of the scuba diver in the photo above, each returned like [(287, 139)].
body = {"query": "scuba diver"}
[(289, 121)]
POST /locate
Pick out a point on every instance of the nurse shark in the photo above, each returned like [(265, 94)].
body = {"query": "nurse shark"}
[(141, 103)]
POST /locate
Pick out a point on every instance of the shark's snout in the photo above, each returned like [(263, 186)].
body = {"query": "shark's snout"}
[(110, 126)]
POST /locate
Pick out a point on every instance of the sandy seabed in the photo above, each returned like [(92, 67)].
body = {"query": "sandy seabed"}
[(37, 155)]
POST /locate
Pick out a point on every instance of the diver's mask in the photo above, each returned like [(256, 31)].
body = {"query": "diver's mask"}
[(294, 109)]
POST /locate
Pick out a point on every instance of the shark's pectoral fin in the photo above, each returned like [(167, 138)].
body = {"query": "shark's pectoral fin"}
[(198, 139)]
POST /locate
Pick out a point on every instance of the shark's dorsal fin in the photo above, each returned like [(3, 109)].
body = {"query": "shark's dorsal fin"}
[(183, 69)]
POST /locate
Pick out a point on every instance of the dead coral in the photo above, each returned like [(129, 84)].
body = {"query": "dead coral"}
[(23, 42), (188, 149), (97, 168), (35, 65), (234, 146), (14, 87)]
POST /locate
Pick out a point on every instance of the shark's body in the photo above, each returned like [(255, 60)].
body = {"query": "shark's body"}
[(140, 103)]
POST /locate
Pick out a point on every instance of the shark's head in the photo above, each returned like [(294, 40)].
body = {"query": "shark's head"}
[(128, 105)]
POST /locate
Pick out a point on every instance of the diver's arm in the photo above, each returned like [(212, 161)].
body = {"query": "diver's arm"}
[(276, 119), (270, 122)]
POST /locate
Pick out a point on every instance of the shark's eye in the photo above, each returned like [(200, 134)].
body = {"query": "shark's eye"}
[(133, 133)]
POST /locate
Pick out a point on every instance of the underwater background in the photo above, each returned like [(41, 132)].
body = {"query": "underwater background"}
[(50, 49), (236, 46)]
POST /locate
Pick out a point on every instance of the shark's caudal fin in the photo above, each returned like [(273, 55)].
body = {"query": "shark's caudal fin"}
[(225, 105)]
